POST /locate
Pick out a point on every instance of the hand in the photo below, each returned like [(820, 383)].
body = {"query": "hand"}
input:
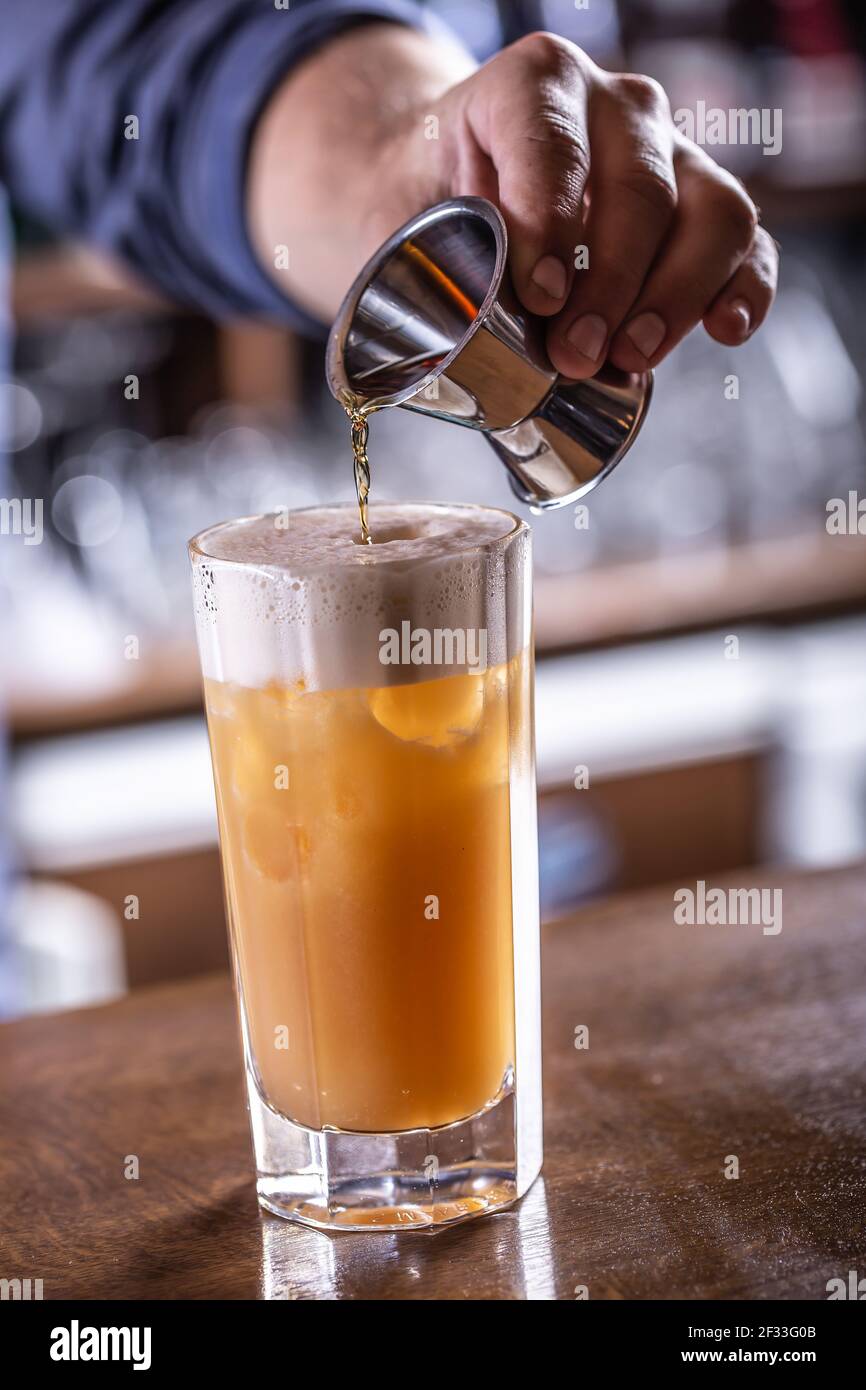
[(572, 155)]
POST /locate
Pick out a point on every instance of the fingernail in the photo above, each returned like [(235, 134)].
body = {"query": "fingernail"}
[(743, 311), (646, 332), (588, 336), (549, 275)]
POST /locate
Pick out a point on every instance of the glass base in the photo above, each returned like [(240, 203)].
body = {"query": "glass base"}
[(414, 1180)]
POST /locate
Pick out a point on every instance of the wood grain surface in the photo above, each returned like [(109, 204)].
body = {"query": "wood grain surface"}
[(705, 1042)]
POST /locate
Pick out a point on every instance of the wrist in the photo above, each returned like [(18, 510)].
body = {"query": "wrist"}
[(329, 148)]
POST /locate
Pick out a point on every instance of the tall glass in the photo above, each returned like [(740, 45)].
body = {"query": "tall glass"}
[(371, 728)]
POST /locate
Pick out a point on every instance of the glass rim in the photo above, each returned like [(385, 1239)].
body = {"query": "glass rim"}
[(197, 543), (467, 206)]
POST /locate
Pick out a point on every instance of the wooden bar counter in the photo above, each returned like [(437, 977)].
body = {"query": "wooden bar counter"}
[(706, 1044)]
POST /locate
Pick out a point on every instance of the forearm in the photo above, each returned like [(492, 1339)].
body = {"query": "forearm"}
[(130, 126), (317, 183)]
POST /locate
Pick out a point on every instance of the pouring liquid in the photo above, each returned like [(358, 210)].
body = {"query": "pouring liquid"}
[(360, 428)]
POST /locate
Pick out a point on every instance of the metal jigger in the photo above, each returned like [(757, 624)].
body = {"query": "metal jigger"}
[(432, 323)]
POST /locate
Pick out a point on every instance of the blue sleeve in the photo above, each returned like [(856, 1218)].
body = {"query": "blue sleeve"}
[(196, 74)]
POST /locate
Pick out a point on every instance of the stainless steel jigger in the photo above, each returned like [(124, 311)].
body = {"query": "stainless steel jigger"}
[(432, 323)]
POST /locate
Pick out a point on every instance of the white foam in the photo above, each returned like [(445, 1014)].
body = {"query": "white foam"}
[(330, 535), (299, 598)]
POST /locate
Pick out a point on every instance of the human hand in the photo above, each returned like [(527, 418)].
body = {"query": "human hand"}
[(572, 155)]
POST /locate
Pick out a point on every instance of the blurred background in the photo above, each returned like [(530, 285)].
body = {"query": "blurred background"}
[(701, 654)]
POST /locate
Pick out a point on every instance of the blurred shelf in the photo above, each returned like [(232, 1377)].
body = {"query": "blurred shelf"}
[(109, 796), (783, 580), (69, 279), (167, 683)]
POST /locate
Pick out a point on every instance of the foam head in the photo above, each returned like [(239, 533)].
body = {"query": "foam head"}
[(295, 598)]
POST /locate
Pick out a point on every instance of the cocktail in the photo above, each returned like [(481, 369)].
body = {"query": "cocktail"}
[(370, 718)]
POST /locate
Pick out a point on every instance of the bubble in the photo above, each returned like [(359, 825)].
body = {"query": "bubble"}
[(20, 417), (87, 510)]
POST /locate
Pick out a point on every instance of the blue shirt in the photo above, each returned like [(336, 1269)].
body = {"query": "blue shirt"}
[(196, 75)]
